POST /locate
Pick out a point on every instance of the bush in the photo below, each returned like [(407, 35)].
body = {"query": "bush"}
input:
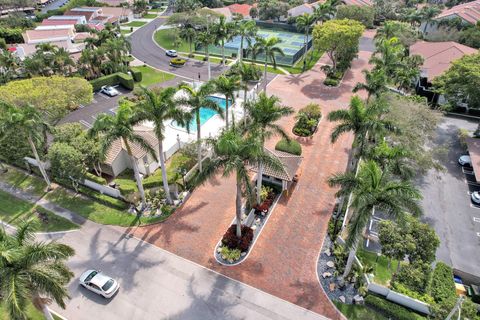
[(126, 190), (312, 110), (177, 61), (292, 147), (331, 82), (231, 240), (124, 79), (400, 288), (390, 309), (414, 276), (11, 35), (362, 14), (442, 286), (230, 254), (95, 178), (137, 75)]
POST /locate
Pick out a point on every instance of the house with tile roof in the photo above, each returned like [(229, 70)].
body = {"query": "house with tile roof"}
[(224, 11), (241, 9), (468, 13), (358, 2), (304, 8), (438, 57), (55, 35)]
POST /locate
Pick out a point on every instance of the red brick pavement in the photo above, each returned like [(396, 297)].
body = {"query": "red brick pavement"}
[(284, 259)]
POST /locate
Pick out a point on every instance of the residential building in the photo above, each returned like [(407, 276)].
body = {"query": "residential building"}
[(358, 2), (40, 36), (438, 57), (23, 50), (78, 19), (224, 11), (120, 14), (116, 3), (241, 9), (305, 8), (59, 22), (468, 13)]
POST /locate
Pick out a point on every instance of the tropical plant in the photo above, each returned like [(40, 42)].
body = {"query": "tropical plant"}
[(246, 29), (31, 270), (30, 121), (116, 51), (427, 14), (158, 106), (247, 73), (223, 31), (188, 34), (304, 22), (9, 66), (120, 127), (388, 56), (269, 47), (265, 113), (197, 99), (396, 159), (373, 188), (227, 86), (206, 39), (375, 83), (324, 11)]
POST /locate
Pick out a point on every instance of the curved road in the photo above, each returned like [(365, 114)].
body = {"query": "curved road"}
[(145, 49)]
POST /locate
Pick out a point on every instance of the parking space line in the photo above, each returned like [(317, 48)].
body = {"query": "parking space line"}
[(478, 234), (85, 123), (475, 219)]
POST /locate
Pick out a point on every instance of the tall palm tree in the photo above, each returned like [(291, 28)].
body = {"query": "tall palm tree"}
[(222, 31), (246, 29), (395, 159), (427, 14), (247, 73), (324, 11), (188, 34), (90, 63), (62, 62), (227, 86), (116, 51), (196, 100), (120, 127), (360, 119), (304, 22), (388, 56), (253, 49), (34, 271), (373, 188), (265, 112), (270, 49), (234, 153), (9, 66), (375, 83), (159, 107), (206, 39), (29, 120)]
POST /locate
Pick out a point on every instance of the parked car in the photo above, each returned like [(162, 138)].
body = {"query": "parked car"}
[(171, 53), (475, 196), (465, 161), (99, 283), (109, 91)]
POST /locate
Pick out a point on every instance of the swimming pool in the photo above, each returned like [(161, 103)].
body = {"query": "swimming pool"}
[(205, 114)]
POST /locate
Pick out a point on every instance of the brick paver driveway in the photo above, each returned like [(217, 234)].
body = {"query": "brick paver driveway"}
[(283, 261)]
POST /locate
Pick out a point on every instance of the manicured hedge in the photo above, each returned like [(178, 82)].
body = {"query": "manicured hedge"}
[(442, 286), (331, 82), (390, 309), (95, 178), (137, 75), (292, 147), (124, 79)]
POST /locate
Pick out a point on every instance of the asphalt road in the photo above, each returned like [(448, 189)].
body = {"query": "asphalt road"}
[(155, 284), (145, 49), (55, 4)]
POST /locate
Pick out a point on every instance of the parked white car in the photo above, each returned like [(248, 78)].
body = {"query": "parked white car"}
[(475, 196), (465, 161), (99, 283), (109, 91), (171, 53)]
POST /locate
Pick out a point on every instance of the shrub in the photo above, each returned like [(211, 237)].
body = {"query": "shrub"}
[(442, 286), (362, 14), (400, 288), (11, 35), (95, 178), (312, 110), (414, 276), (177, 61), (390, 309), (463, 134), (331, 82), (230, 254), (124, 79), (291, 146), (137, 75), (231, 240)]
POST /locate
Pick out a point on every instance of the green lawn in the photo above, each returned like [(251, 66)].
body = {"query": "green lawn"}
[(23, 181), (312, 59), (212, 58), (151, 76), (125, 31), (32, 312), (381, 271), (149, 16), (166, 38), (356, 312), (135, 24), (14, 210), (157, 9)]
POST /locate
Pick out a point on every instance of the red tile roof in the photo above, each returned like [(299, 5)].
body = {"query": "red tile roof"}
[(86, 14), (243, 9), (358, 2), (438, 56), (469, 12), (59, 22)]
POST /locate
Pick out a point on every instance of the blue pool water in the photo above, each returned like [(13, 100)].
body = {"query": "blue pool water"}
[(205, 114)]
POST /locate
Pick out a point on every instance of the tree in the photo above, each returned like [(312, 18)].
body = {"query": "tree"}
[(304, 22), (206, 39), (140, 6), (247, 73), (116, 50), (427, 14), (29, 120), (470, 37), (324, 11), (362, 14), (120, 126), (227, 86), (30, 270), (9, 66), (453, 85), (372, 188), (234, 153), (404, 32), (90, 63), (272, 9), (396, 159), (269, 49), (196, 100), (375, 83), (395, 244), (339, 39), (223, 32), (186, 5), (253, 13), (54, 96), (67, 164), (265, 112), (246, 29), (388, 56), (360, 119), (425, 239), (188, 34)]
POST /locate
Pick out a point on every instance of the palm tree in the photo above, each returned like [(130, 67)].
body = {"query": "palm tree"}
[(304, 22), (116, 51), (375, 83), (395, 159), (265, 112), (269, 48), (427, 14), (188, 34), (373, 188), (253, 49), (246, 29), (62, 62), (222, 31), (120, 127), (159, 107), (227, 86), (388, 56), (196, 100), (235, 153), (29, 120), (9, 66), (90, 63), (206, 39), (360, 119), (247, 73), (30, 270)]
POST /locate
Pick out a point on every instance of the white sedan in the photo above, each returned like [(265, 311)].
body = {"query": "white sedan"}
[(109, 91), (475, 196), (171, 53), (99, 283), (465, 161)]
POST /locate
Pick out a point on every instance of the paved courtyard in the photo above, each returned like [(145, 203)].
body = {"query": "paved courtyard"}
[(285, 255)]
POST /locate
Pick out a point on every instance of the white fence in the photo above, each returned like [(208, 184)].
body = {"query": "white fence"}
[(399, 298), (109, 191)]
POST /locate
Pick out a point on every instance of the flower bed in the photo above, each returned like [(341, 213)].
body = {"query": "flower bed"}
[(307, 120), (231, 250), (177, 62)]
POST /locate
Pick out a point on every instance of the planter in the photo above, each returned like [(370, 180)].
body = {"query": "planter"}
[(255, 220)]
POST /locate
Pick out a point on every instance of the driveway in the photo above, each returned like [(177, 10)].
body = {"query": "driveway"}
[(156, 284)]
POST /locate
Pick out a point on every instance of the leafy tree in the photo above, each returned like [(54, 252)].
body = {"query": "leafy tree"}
[(253, 13), (339, 39), (373, 188), (362, 14), (269, 47), (186, 5), (67, 164), (304, 22), (425, 239), (470, 37), (395, 244), (120, 127), (265, 112), (31, 270), (442, 286), (227, 86), (272, 9), (375, 83), (140, 6), (452, 82), (53, 96), (386, 9), (403, 31), (414, 276), (197, 99), (29, 120), (9, 66)]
